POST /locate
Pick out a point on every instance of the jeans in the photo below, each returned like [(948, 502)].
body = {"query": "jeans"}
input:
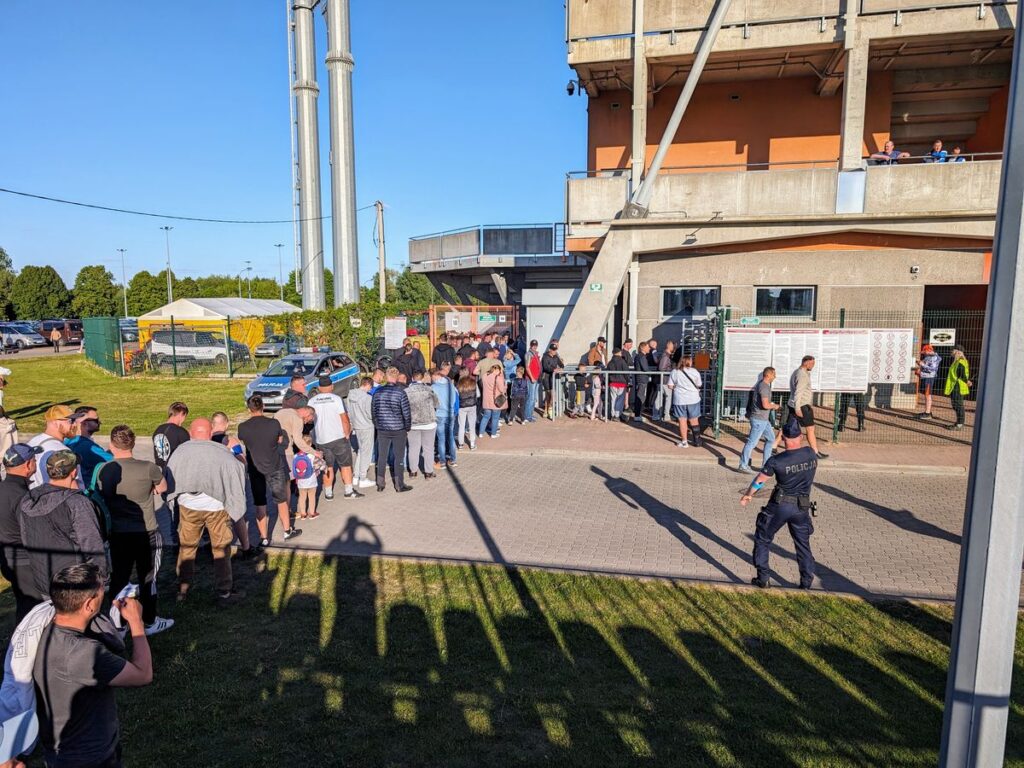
[(617, 395), (421, 443), (758, 428), (467, 423), (490, 418), (532, 393), (364, 437), (771, 518), (190, 528), (445, 439)]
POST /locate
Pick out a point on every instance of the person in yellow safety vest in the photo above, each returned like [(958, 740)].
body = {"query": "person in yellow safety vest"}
[(958, 384)]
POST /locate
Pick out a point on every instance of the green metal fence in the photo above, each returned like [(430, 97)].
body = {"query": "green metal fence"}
[(886, 413), (102, 341)]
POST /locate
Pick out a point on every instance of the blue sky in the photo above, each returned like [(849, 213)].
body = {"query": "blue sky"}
[(182, 107)]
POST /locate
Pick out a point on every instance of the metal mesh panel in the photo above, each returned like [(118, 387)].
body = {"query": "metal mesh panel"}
[(102, 338)]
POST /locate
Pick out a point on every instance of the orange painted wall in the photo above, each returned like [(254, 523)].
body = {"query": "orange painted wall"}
[(992, 125), (772, 121)]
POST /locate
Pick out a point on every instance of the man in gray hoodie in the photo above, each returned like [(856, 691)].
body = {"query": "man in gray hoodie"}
[(208, 483), (360, 413)]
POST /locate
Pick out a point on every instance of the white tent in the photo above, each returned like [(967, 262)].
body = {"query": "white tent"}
[(218, 309)]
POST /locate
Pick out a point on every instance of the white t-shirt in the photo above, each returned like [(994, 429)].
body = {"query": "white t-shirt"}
[(49, 445), (200, 502), (329, 408), (685, 385)]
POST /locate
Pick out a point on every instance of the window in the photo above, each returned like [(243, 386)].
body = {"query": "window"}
[(687, 302), (787, 302)]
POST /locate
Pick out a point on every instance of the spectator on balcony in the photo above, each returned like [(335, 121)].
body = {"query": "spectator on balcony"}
[(955, 156), (888, 156), (938, 154)]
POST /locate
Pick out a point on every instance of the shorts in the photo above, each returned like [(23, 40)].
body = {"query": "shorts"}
[(337, 453), (805, 417), (686, 411), (277, 482)]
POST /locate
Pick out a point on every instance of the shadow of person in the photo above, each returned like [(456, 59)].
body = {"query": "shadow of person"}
[(829, 579), (680, 525), (901, 518)]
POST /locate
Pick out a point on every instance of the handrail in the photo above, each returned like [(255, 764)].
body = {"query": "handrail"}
[(481, 227)]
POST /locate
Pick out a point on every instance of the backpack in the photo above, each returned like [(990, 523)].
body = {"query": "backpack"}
[(92, 492), (302, 466)]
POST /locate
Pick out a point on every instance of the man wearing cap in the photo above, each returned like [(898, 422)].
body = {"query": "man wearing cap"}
[(20, 462), (789, 505), (332, 430), (60, 526), (60, 425)]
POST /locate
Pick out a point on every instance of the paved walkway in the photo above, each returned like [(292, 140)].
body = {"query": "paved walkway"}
[(878, 533)]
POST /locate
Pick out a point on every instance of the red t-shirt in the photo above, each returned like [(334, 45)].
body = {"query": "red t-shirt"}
[(535, 368)]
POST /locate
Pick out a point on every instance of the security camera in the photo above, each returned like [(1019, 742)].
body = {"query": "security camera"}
[(571, 87), (915, 270)]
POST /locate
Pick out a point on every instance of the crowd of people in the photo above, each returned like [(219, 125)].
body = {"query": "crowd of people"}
[(889, 155)]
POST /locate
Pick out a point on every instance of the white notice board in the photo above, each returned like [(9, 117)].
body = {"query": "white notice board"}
[(789, 346), (748, 351), (892, 355), (394, 332), (844, 362)]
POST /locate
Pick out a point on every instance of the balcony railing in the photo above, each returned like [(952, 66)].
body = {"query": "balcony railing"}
[(538, 244)]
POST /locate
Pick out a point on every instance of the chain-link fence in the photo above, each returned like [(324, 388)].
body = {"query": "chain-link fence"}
[(199, 347), (889, 413)]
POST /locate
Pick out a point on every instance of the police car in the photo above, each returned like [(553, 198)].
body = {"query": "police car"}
[(272, 385)]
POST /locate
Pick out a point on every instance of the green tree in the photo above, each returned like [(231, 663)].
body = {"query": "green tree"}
[(39, 293), (94, 294), (6, 264), (187, 288), (7, 278), (146, 292), (292, 296), (415, 289)]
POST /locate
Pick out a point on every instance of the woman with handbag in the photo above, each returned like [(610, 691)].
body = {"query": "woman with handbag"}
[(494, 401)]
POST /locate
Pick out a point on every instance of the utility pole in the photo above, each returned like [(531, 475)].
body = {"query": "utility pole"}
[(170, 287), (280, 268), (988, 587), (382, 270), (248, 276), (124, 279)]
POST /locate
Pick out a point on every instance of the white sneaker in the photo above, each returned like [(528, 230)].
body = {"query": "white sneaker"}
[(159, 625), (365, 482), (682, 444)]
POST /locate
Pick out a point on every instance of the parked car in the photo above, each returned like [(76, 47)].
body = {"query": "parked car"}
[(200, 347), (21, 336), (274, 346), (129, 327), (311, 366), (71, 330)]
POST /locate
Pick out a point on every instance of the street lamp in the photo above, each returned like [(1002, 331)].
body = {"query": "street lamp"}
[(170, 288), (248, 277), (124, 279), (280, 268)]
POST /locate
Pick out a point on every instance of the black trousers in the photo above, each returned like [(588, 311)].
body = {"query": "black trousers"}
[(770, 519), (138, 552), (957, 401), (387, 441), (20, 573), (639, 396), (517, 409), (859, 404)]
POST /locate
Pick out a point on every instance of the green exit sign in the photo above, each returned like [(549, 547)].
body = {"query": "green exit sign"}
[(750, 321), (596, 287)]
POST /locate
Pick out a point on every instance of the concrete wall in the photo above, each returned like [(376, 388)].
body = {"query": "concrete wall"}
[(935, 187), (876, 280), (454, 245)]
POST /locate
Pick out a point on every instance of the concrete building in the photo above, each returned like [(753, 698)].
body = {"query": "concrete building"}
[(767, 198)]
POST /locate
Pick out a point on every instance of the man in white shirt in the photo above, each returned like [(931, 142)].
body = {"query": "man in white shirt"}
[(801, 403), (60, 424), (331, 433), (685, 384)]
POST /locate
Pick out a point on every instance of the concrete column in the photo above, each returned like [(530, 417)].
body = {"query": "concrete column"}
[(639, 156), (855, 88), (633, 300)]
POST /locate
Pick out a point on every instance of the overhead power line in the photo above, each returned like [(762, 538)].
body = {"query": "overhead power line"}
[(130, 212)]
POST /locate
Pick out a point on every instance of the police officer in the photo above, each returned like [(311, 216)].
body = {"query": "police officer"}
[(790, 504)]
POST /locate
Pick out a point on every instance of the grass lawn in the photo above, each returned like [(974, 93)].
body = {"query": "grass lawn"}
[(37, 383), (370, 662)]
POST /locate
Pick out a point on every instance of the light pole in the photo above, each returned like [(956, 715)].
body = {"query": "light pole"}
[(124, 279), (280, 268), (170, 288), (248, 276)]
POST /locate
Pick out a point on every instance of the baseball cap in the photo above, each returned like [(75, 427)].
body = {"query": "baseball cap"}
[(325, 381), (58, 413), (791, 429), (60, 463), (19, 453)]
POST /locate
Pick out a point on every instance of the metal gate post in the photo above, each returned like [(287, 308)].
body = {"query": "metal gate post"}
[(837, 396), (722, 314), (227, 344), (174, 349)]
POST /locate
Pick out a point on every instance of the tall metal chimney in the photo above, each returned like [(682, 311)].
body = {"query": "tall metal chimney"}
[(306, 92), (343, 163)]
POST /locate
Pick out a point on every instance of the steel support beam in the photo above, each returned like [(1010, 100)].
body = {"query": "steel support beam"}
[(641, 197), (988, 589), (308, 138), (343, 161)]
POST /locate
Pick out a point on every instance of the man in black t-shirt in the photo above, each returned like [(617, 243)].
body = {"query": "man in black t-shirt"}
[(169, 435), (81, 659), (790, 505), (265, 443)]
